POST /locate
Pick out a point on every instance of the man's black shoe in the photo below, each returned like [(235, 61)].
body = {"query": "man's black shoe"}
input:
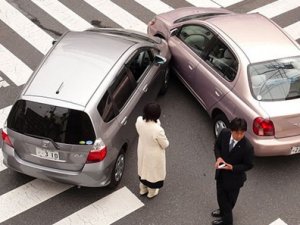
[(219, 222), (216, 213)]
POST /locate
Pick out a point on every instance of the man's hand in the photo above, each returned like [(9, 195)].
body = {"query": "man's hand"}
[(218, 162)]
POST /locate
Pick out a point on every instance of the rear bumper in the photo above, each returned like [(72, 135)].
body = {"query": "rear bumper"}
[(92, 175), (274, 147)]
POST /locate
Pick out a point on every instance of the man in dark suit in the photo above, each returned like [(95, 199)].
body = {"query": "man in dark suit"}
[(234, 156)]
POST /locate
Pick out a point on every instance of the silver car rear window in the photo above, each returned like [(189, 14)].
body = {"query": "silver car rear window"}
[(275, 80), (59, 124)]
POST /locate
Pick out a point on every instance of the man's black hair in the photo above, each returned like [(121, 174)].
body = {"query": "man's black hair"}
[(238, 124)]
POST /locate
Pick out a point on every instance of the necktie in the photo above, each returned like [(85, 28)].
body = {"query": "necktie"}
[(231, 144)]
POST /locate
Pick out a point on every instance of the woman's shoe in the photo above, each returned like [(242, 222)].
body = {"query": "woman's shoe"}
[(152, 192), (143, 189)]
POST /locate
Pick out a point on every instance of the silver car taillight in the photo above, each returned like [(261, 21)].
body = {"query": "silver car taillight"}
[(5, 136), (98, 153)]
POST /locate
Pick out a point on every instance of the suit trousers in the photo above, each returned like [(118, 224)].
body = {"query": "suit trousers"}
[(226, 200)]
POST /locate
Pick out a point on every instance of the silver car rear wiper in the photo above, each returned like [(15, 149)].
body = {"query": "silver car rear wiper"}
[(45, 138)]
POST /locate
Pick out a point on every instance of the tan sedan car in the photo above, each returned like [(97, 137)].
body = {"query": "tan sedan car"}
[(238, 65)]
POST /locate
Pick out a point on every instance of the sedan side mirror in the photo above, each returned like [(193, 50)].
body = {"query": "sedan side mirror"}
[(159, 60), (174, 32)]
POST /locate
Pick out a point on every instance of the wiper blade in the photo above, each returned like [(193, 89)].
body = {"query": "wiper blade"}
[(45, 138)]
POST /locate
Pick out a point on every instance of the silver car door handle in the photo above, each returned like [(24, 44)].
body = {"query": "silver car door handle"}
[(190, 67), (145, 88), (124, 121)]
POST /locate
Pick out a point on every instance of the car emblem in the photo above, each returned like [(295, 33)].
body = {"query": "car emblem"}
[(45, 143)]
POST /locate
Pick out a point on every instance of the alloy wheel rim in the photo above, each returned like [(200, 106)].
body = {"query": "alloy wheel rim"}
[(219, 126), (119, 167)]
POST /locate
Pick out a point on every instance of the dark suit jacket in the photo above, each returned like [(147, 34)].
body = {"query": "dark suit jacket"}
[(240, 157)]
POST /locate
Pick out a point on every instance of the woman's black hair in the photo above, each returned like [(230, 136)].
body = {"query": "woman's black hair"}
[(152, 112)]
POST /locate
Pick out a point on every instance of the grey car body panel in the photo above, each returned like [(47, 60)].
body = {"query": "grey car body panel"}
[(86, 64)]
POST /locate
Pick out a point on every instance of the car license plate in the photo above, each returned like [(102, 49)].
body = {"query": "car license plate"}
[(47, 154), (295, 150)]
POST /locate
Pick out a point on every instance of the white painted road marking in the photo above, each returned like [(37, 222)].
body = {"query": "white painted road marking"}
[(278, 222), (106, 210), (293, 30), (27, 196), (63, 14), (226, 3), (17, 71), (155, 6), (203, 3), (118, 15), (278, 7), (25, 28)]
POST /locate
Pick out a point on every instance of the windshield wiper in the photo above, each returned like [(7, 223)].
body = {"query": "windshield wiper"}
[(45, 138)]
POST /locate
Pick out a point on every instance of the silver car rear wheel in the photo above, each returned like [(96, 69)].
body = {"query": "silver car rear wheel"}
[(220, 122), (118, 170)]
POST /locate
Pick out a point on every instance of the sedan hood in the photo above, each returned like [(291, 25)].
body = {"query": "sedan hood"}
[(285, 116)]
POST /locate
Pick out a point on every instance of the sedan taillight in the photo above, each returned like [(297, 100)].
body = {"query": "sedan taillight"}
[(263, 127), (98, 153), (5, 138)]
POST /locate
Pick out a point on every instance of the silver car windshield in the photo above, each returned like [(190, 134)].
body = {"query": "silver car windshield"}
[(275, 80)]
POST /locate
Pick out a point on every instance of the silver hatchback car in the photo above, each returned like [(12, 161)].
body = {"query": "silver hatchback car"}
[(238, 65), (74, 119)]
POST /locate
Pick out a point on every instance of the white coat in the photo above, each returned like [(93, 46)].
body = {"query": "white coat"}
[(151, 150)]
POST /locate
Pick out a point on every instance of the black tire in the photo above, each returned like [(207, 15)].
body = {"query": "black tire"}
[(118, 170), (220, 122), (165, 85)]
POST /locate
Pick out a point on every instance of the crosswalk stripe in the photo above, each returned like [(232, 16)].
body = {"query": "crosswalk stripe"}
[(278, 222), (17, 71), (28, 196), (118, 15), (278, 7), (226, 3), (25, 28), (293, 30), (155, 6), (63, 14), (203, 3), (106, 210)]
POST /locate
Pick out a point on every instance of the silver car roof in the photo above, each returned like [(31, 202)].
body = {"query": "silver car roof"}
[(77, 66), (258, 37)]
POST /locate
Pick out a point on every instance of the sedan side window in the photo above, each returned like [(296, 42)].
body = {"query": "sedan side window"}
[(140, 63), (223, 60), (196, 37)]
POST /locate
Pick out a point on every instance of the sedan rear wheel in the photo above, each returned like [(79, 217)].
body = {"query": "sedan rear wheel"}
[(220, 122)]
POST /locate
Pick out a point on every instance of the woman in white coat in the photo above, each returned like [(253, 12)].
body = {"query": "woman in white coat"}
[(151, 154)]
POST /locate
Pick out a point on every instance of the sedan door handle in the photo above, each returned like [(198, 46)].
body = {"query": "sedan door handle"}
[(124, 121), (218, 93), (145, 88), (190, 67)]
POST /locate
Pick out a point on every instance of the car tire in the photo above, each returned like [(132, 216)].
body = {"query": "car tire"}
[(165, 85), (118, 170), (220, 122)]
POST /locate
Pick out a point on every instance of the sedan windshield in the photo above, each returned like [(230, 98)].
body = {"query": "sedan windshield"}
[(275, 80)]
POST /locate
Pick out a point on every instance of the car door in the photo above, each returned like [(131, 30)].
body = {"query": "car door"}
[(215, 74)]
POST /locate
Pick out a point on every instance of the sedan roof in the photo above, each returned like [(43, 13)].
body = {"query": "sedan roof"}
[(257, 36), (77, 65)]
